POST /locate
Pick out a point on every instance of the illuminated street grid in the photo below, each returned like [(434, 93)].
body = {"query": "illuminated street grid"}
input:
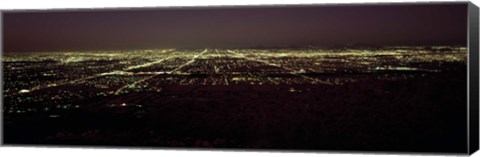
[(57, 79)]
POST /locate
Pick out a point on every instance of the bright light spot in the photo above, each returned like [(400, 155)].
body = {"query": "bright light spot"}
[(24, 91)]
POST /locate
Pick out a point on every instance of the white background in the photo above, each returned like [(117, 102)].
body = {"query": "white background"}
[(86, 152)]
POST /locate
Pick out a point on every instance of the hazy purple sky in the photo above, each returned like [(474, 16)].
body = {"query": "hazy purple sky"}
[(235, 27)]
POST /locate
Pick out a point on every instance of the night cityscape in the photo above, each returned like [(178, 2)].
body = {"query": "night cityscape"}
[(292, 78), (226, 97)]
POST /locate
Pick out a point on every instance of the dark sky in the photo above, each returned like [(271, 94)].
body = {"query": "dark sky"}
[(235, 27)]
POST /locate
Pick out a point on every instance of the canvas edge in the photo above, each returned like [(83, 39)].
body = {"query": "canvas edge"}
[(319, 4), (473, 79)]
